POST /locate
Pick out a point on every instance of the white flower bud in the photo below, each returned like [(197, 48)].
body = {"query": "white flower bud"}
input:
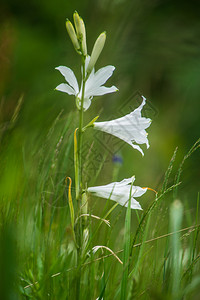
[(96, 51), (77, 23), (72, 34), (80, 31), (84, 44)]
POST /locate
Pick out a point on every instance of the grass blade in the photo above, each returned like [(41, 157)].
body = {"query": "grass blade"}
[(178, 175), (169, 170), (127, 242), (176, 214)]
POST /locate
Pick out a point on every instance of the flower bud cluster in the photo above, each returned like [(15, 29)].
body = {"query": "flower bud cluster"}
[(77, 34), (78, 38)]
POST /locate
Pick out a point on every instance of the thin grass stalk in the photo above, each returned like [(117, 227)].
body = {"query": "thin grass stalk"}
[(133, 273), (104, 282), (165, 262), (164, 186), (191, 265), (127, 241), (197, 229), (169, 170), (141, 250), (178, 175), (176, 214), (42, 154), (150, 209), (194, 243)]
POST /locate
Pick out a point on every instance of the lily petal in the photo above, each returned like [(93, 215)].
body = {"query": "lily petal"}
[(64, 87), (129, 128), (99, 91), (69, 77), (120, 192), (100, 77), (137, 148), (93, 86)]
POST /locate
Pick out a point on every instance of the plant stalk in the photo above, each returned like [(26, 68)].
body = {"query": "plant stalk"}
[(79, 180)]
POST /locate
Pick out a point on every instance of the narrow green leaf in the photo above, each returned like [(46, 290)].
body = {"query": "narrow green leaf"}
[(176, 214), (76, 164), (90, 124), (127, 242), (178, 175)]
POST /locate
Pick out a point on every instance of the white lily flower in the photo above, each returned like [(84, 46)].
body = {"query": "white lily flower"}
[(130, 128), (93, 86), (120, 192)]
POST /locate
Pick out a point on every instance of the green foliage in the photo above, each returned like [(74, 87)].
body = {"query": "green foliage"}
[(35, 225), (155, 50)]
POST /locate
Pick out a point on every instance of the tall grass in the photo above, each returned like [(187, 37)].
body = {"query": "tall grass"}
[(39, 256), (57, 243)]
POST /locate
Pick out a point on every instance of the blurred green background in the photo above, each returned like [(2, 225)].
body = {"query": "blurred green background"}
[(155, 47)]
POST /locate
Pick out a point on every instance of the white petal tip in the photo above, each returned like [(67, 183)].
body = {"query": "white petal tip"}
[(144, 98), (115, 89), (59, 69), (136, 207), (140, 208), (140, 150)]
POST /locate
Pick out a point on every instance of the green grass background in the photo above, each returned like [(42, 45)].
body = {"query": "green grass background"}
[(154, 46)]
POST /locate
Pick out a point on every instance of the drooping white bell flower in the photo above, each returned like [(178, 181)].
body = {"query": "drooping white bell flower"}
[(93, 86), (120, 192), (130, 128)]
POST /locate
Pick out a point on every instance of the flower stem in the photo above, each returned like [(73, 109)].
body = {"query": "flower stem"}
[(79, 183), (80, 137)]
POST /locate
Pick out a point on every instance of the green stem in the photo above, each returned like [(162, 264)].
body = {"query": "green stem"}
[(79, 188), (80, 137)]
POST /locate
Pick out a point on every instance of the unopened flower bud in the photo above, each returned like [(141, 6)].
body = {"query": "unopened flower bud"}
[(77, 23), (80, 31), (96, 51), (72, 34), (84, 44)]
